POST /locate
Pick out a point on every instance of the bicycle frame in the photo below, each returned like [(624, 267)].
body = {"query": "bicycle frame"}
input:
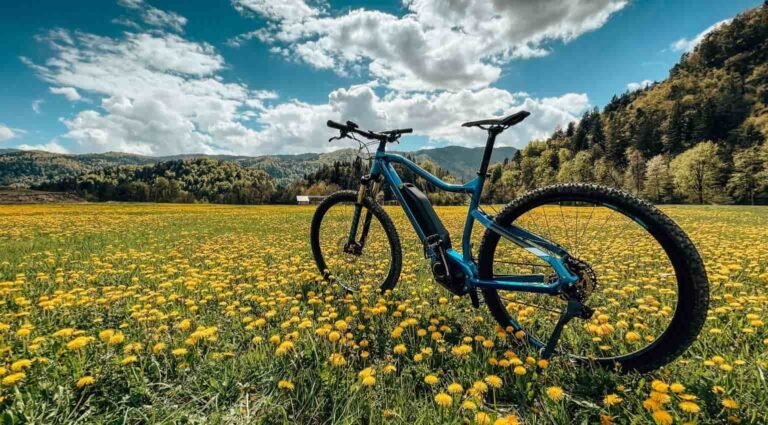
[(548, 251)]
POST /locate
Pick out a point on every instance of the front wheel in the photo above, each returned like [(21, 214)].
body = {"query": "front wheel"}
[(639, 272), (373, 259)]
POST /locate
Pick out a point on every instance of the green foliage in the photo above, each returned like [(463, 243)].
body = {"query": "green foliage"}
[(195, 180), (697, 173), (717, 93)]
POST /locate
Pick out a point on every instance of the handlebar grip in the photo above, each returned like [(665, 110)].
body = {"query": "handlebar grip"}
[(405, 130), (337, 126)]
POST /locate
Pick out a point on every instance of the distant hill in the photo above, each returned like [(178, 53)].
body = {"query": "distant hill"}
[(698, 136), (28, 168)]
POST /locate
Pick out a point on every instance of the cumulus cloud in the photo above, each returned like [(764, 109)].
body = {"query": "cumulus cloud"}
[(152, 16), (6, 133), (439, 44), (160, 93), (284, 10), (687, 45), (634, 86), (435, 115), (69, 92), (52, 146)]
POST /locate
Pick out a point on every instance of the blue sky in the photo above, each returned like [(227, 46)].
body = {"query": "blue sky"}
[(253, 77)]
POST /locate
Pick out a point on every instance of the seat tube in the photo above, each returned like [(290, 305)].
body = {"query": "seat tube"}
[(474, 201), (482, 174)]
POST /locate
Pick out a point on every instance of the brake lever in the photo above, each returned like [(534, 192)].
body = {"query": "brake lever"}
[(343, 135)]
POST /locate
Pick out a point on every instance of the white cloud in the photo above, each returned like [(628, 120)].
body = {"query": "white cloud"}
[(160, 94), (152, 16), (157, 93), (283, 10), (686, 45), (52, 146), (634, 86), (6, 133), (440, 44), (69, 92), (438, 116), (36, 105)]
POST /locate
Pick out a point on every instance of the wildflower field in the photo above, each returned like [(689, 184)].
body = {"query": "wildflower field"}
[(142, 313)]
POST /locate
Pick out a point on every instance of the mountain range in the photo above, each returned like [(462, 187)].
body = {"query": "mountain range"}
[(28, 168)]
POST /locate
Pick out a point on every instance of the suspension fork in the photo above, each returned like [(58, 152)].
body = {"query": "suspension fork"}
[(354, 246)]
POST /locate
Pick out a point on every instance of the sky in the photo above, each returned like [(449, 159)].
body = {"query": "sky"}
[(255, 77)]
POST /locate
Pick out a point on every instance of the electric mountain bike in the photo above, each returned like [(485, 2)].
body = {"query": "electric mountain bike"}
[(584, 270)]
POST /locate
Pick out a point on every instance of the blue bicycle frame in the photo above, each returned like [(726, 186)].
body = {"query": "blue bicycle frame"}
[(548, 251)]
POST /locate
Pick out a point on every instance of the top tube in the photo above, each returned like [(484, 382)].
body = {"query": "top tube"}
[(468, 187)]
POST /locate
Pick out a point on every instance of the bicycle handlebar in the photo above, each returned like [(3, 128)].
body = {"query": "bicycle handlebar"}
[(351, 127)]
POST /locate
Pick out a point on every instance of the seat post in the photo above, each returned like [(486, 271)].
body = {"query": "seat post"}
[(492, 133)]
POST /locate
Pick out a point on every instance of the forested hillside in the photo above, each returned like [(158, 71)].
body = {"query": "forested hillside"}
[(699, 136), (194, 180)]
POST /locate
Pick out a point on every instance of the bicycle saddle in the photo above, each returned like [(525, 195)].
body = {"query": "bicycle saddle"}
[(507, 121)]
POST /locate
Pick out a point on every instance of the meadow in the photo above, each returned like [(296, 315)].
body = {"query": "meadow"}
[(158, 313)]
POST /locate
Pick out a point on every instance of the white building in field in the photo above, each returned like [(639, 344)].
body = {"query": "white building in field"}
[(306, 199)]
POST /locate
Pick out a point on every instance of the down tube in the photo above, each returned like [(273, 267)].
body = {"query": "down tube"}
[(390, 175)]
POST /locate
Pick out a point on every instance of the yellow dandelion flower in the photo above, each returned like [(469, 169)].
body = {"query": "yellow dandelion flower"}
[(730, 403), (612, 400), (20, 365), (555, 393), (651, 405), (285, 385), (482, 418), (677, 387), (85, 381), (689, 407), (14, 379), (662, 417), (659, 386), (128, 360), (79, 343), (455, 388), (178, 352), (337, 360), (431, 380), (443, 400), (493, 381), (507, 420)]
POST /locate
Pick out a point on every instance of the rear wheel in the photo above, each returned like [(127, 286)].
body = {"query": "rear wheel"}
[(639, 272), (375, 262)]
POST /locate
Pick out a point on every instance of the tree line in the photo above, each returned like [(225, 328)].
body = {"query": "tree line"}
[(195, 180)]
